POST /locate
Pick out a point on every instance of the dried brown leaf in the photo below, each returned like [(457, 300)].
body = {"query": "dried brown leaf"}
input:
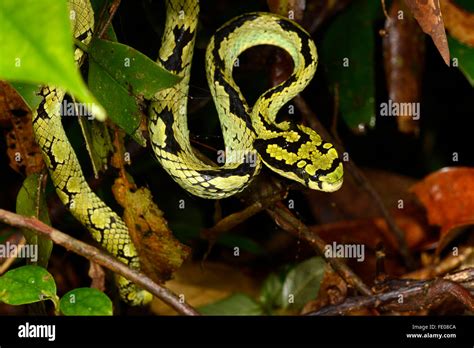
[(160, 252), (428, 15), (458, 22), (448, 197), (22, 149)]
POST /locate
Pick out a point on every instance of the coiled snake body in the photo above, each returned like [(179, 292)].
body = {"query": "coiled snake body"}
[(291, 150)]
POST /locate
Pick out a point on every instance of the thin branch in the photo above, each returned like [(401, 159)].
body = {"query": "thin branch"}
[(9, 261), (81, 45), (229, 222), (286, 220), (113, 8), (99, 257), (415, 295)]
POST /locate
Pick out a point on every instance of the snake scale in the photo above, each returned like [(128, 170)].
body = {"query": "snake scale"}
[(291, 150)]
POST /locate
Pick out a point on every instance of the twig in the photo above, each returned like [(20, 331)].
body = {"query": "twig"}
[(384, 8), (8, 262), (232, 220), (99, 257), (81, 45), (444, 266), (362, 181), (290, 223), (113, 8), (416, 295)]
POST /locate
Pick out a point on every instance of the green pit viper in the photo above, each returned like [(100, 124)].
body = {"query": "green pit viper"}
[(291, 150)]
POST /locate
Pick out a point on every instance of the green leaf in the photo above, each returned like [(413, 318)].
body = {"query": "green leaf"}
[(27, 284), (98, 143), (85, 301), (120, 76), (31, 201), (464, 56), (134, 72), (270, 293), (302, 283), (350, 62), (37, 47), (236, 304)]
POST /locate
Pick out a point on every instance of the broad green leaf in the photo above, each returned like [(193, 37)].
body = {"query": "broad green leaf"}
[(27, 284), (37, 47), (348, 54), (236, 304), (270, 293), (302, 283), (85, 301), (120, 76), (463, 56), (31, 201), (121, 107), (133, 71)]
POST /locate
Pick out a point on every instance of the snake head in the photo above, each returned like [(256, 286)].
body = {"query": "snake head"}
[(307, 160), (327, 180)]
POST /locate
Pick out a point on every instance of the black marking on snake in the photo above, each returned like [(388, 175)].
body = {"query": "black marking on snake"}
[(245, 168), (172, 144), (292, 79), (261, 145), (84, 35), (268, 125), (305, 46), (41, 112), (227, 30), (182, 37), (236, 105), (52, 160)]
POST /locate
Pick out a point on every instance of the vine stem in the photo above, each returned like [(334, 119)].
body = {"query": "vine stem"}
[(100, 257), (81, 45)]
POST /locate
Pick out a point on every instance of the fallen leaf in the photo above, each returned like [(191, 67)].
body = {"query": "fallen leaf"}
[(448, 197), (428, 15), (459, 22), (22, 149), (160, 252), (404, 48)]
